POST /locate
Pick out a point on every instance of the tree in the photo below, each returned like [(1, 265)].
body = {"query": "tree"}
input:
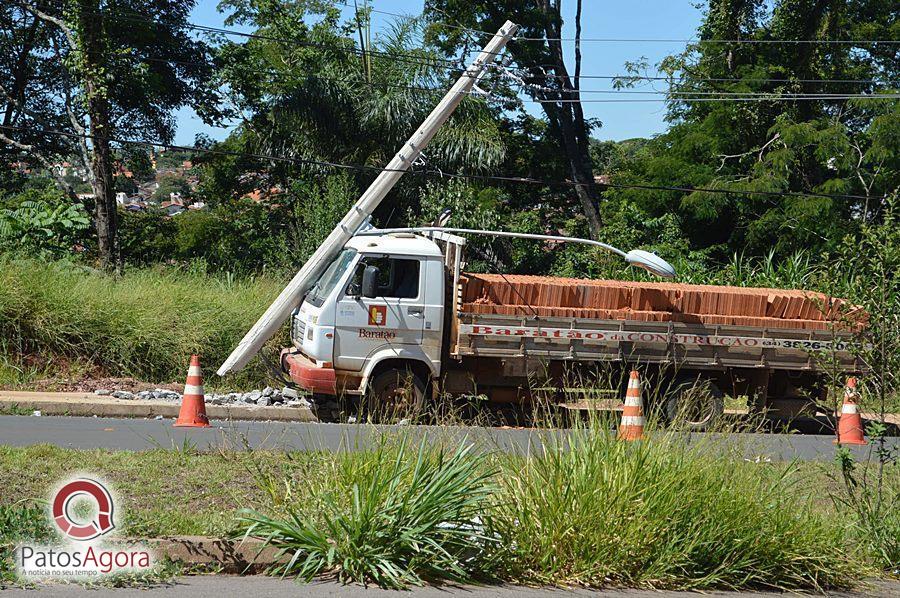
[(544, 75), (120, 69), (314, 87), (29, 87), (807, 148)]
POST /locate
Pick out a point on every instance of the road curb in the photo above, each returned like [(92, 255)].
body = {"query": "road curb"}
[(224, 556), (85, 404)]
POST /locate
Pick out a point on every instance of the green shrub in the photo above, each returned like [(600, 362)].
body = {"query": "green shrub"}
[(658, 514), (407, 517), (41, 221), (241, 236), (870, 493), (147, 237)]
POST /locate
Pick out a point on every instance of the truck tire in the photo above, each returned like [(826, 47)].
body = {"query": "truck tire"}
[(694, 404), (395, 394)]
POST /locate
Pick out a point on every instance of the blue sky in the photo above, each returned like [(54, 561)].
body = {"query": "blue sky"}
[(635, 19)]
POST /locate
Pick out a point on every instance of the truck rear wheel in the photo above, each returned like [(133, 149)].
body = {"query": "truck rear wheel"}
[(395, 394), (694, 404)]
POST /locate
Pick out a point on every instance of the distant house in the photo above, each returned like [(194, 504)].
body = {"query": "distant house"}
[(172, 208), (123, 199), (260, 195), (64, 169)]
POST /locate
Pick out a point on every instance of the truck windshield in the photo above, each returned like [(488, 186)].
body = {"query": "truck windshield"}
[(330, 277)]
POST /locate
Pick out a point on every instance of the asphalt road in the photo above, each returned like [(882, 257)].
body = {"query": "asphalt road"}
[(265, 587), (143, 434)]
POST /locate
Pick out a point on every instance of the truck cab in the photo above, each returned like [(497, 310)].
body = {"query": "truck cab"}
[(377, 308)]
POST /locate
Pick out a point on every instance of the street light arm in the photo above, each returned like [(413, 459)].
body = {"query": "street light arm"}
[(492, 233), (636, 257)]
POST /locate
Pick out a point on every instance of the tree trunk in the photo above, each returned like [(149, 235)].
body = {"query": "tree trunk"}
[(571, 127), (105, 215)]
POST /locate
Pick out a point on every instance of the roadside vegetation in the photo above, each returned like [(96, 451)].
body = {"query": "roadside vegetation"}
[(145, 324), (595, 512)]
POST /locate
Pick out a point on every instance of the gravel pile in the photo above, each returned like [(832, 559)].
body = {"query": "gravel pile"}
[(267, 397)]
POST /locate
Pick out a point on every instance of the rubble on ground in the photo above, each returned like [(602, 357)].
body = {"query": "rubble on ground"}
[(266, 397)]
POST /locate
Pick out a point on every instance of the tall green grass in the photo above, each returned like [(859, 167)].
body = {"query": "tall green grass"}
[(145, 323), (661, 514), (24, 520), (589, 511), (408, 516)]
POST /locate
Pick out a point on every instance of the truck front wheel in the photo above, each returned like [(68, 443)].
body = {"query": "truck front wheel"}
[(694, 404), (395, 394)]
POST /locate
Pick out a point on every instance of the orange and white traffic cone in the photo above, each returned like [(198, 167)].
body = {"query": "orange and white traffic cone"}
[(193, 405), (850, 426), (632, 426)]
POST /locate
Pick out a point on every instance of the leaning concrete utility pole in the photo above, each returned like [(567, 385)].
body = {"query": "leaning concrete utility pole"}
[(279, 311)]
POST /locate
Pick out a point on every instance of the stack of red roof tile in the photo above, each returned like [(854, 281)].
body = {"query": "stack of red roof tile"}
[(655, 302)]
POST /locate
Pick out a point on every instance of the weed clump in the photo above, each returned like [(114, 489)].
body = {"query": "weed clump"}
[(583, 510), (660, 514), (409, 516)]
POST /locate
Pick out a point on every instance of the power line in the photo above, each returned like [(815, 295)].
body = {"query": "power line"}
[(635, 40), (671, 95), (720, 79), (771, 98), (855, 42), (414, 59), (450, 64), (432, 173)]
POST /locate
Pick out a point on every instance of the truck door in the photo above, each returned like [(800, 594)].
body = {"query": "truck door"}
[(395, 317)]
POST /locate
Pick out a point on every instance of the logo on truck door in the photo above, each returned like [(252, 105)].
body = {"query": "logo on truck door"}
[(377, 315)]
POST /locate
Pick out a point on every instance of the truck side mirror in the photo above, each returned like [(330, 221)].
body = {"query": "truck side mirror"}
[(370, 282)]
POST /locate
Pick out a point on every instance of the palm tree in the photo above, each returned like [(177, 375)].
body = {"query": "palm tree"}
[(334, 98)]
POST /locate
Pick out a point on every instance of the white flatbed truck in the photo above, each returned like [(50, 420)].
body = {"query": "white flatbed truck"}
[(385, 319)]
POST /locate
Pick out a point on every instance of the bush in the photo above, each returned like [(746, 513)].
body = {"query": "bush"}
[(586, 511), (658, 514), (42, 221), (408, 517), (147, 238), (239, 237), (316, 208)]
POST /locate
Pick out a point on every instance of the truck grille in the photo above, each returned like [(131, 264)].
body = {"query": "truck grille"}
[(299, 330)]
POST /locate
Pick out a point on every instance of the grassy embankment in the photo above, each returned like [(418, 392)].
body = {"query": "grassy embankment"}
[(654, 514), (65, 321)]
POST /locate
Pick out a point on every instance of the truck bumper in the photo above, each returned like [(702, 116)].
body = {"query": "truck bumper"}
[(306, 374)]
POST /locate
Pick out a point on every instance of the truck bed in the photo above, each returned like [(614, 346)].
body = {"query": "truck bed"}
[(655, 302), (601, 321), (633, 341)]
